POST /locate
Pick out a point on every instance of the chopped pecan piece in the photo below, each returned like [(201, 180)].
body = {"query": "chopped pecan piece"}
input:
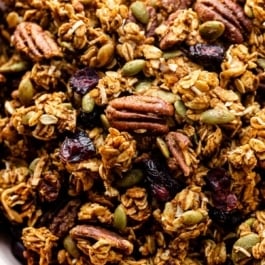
[(97, 233), (177, 142), (139, 113), (31, 39), (237, 25)]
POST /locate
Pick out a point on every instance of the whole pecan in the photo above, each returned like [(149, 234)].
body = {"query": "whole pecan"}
[(237, 24), (139, 113), (32, 40)]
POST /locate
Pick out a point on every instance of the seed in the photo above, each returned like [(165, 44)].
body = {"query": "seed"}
[(192, 217), (217, 116), (172, 54), (88, 103), (163, 147), (71, 247), (142, 87), (33, 164), (47, 119), (140, 12), (130, 178), (104, 121), (242, 248), (105, 54), (165, 95), (25, 91), (261, 63), (133, 67), (180, 108), (13, 67), (211, 30), (120, 218)]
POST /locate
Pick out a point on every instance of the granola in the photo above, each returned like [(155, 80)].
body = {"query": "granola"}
[(132, 132)]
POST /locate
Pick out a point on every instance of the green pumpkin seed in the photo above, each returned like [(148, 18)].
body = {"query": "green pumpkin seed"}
[(142, 87), (211, 30), (242, 248), (88, 103), (180, 108), (14, 67), (120, 218), (130, 178), (192, 217), (47, 119), (163, 147), (172, 54), (70, 245), (217, 116), (25, 91), (133, 67), (140, 12)]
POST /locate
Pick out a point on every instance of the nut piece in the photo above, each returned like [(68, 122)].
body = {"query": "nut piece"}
[(97, 233), (139, 113), (31, 39), (177, 144), (237, 25)]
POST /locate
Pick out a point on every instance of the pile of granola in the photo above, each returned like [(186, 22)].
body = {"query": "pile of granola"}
[(133, 132)]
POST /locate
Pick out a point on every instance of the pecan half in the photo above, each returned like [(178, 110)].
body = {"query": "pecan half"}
[(139, 113), (177, 142), (237, 25), (32, 40), (97, 233)]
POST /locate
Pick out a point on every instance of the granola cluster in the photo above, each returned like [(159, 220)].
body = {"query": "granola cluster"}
[(132, 132)]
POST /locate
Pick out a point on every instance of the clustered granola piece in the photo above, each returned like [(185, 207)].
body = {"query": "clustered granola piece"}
[(132, 132)]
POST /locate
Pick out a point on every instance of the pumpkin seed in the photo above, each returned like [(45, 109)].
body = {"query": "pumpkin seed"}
[(180, 108), (217, 116), (242, 248), (88, 103), (142, 87), (171, 54), (211, 30), (133, 67), (120, 218), (130, 178), (192, 217), (70, 245), (140, 12), (47, 119), (104, 121), (163, 147), (25, 91)]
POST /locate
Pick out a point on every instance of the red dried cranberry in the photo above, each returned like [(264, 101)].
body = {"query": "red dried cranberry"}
[(217, 179), (162, 185), (219, 184), (84, 80), (77, 148), (208, 55), (227, 219)]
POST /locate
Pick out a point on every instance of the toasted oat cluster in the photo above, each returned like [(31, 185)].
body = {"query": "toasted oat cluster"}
[(133, 132)]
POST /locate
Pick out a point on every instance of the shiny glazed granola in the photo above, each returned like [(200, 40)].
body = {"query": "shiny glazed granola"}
[(133, 132)]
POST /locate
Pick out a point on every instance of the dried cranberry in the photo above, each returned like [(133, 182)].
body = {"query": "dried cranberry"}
[(162, 185), (84, 80), (91, 119), (228, 219), (77, 148), (208, 55), (224, 203), (218, 180)]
